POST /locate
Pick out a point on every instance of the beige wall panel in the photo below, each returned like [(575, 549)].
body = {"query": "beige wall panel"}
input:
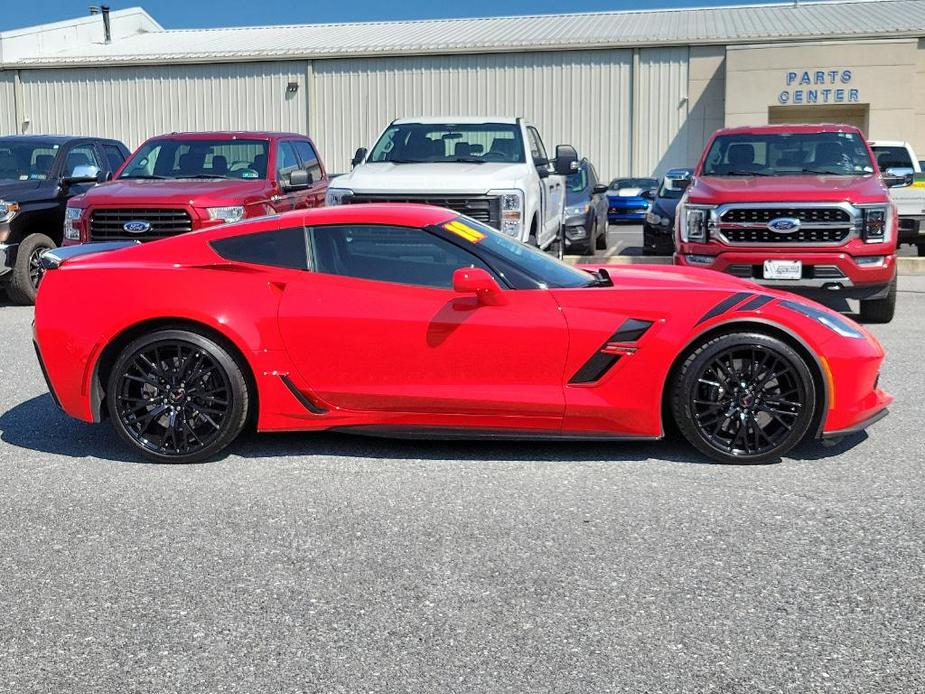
[(662, 138), (133, 103), (7, 105), (580, 98)]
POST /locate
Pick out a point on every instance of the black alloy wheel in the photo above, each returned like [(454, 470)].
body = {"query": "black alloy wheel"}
[(744, 398), (36, 271), (177, 396)]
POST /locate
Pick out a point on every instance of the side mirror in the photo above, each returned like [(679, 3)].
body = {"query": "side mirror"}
[(300, 178), (566, 160), (84, 174), (475, 280), (896, 180), (648, 194), (358, 157), (599, 189)]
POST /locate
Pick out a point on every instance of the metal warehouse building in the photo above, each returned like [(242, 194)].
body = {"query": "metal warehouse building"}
[(637, 92)]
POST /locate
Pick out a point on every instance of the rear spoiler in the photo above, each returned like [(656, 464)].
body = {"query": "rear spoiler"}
[(51, 260)]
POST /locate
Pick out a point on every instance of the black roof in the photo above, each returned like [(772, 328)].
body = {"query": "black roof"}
[(51, 139)]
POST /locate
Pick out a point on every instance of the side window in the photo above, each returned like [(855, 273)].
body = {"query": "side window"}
[(389, 254), (81, 155), (309, 158), (286, 161), (280, 248), (536, 144), (114, 156)]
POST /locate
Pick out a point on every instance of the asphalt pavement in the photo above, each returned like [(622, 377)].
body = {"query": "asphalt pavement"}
[(327, 563)]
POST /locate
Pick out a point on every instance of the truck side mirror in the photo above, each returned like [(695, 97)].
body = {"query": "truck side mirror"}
[(599, 189), (84, 174), (566, 161), (891, 180), (300, 178), (358, 157)]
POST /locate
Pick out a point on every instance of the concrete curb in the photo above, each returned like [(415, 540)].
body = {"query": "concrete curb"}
[(906, 265)]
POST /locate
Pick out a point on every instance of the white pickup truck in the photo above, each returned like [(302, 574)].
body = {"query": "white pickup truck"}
[(495, 170), (898, 159)]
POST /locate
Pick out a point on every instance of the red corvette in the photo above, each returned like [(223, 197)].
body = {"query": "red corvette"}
[(408, 320)]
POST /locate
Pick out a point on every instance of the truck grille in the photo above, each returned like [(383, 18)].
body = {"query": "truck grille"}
[(481, 208), (109, 225), (818, 225)]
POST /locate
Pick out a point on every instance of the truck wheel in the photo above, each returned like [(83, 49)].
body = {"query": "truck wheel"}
[(533, 239), (28, 272), (880, 310)]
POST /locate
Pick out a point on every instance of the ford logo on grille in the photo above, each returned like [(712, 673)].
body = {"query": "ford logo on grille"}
[(784, 225), (137, 226)]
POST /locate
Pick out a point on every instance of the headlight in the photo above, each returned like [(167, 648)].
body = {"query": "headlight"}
[(877, 221), (512, 211), (830, 319), (72, 223), (8, 210), (653, 219), (696, 224), (226, 214), (337, 196), (576, 210)]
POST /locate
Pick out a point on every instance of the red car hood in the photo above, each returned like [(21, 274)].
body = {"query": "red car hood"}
[(720, 189), (196, 192), (675, 277)]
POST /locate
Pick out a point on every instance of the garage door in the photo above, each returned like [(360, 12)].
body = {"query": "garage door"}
[(856, 115)]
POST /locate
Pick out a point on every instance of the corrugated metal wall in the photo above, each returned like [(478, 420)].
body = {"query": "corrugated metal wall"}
[(133, 103), (661, 115), (7, 104), (580, 98)]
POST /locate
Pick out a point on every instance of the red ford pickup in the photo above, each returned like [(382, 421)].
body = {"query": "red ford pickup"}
[(799, 207), (185, 181)]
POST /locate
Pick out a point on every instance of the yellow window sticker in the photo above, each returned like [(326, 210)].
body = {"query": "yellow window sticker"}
[(464, 231)]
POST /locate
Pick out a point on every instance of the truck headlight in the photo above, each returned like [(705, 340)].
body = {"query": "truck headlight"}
[(8, 210), (226, 214), (877, 222), (337, 196), (72, 223), (696, 224), (512, 211)]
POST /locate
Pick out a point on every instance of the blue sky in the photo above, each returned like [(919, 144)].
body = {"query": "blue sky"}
[(176, 14)]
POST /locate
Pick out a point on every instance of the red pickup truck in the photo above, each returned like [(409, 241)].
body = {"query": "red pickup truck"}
[(800, 207), (185, 181)]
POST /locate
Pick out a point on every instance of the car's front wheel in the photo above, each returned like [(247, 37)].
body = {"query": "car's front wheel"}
[(177, 396), (744, 398)]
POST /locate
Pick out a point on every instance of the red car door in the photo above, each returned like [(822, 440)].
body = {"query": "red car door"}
[(379, 328)]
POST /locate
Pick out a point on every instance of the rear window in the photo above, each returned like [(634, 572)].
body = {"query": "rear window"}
[(892, 158), (284, 248)]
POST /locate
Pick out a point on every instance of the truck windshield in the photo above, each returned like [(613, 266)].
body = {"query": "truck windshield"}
[(788, 154), (26, 161), (530, 261), (413, 143), (225, 158)]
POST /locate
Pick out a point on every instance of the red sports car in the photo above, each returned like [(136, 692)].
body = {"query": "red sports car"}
[(408, 320)]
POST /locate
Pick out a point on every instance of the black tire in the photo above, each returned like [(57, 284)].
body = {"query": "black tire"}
[(600, 242), (880, 310), (744, 398), (177, 396), (921, 249), (27, 273)]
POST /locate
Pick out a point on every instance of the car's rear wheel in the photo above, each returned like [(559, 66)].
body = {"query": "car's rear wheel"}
[(177, 396), (27, 272), (744, 398)]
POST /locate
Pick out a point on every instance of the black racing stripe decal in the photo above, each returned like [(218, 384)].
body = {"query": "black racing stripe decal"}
[(725, 305), (605, 357), (756, 303)]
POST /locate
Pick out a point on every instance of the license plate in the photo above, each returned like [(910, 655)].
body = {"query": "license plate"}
[(783, 269)]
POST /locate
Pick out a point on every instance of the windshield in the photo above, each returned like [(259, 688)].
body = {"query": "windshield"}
[(244, 159), (633, 183), (788, 154), (892, 157), (26, 161), (530, 260), (577, 181), (409, 143)]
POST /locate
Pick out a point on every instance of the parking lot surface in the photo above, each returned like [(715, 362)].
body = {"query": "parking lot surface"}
[(327, 563)]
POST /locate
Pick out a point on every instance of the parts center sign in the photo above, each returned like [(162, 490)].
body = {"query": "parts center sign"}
[(830, 86)]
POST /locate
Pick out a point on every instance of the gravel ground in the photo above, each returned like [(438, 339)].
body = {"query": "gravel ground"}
[(338, 564)]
